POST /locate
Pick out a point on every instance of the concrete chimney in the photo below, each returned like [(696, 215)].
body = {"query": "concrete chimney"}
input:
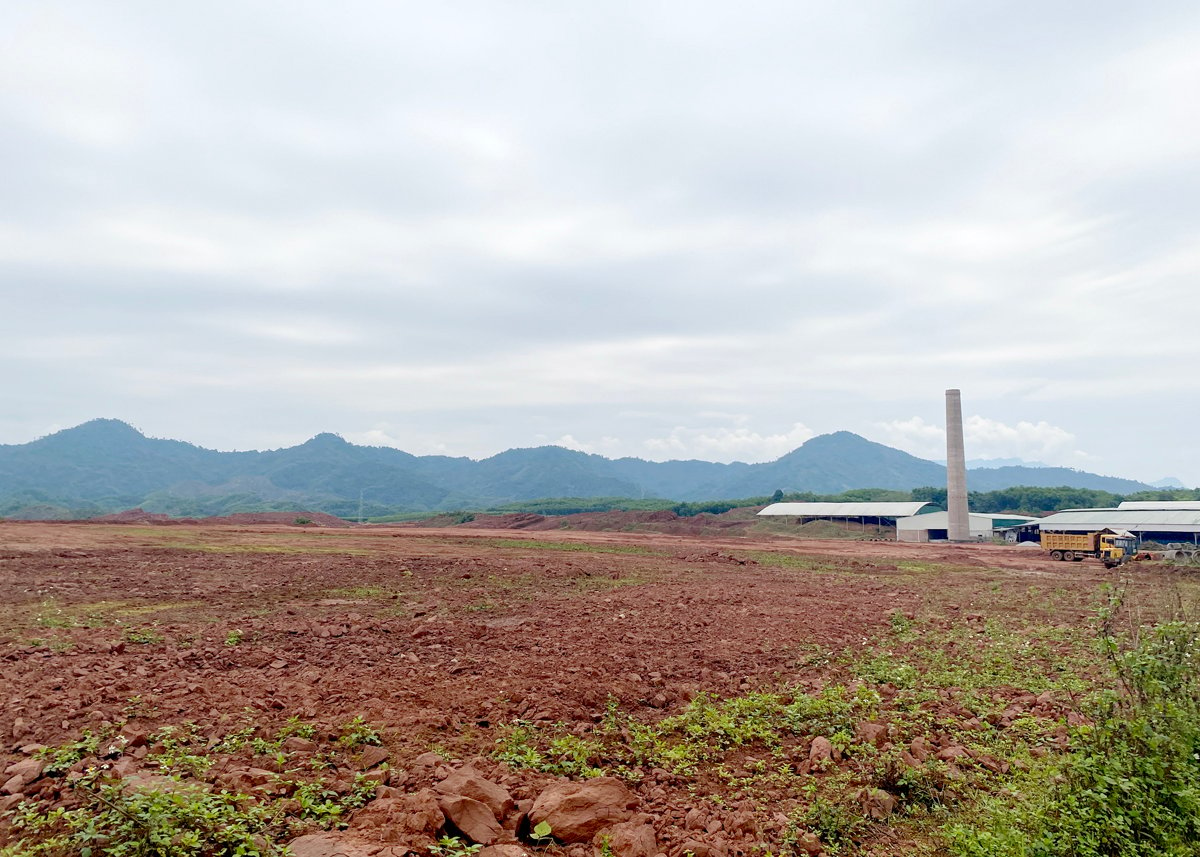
[(959, 529)]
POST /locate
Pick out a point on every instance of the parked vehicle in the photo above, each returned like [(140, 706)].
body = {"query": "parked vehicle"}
[(1106, 546)]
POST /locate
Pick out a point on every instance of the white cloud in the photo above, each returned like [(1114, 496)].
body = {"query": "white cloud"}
[(987, 438), (723, 443)]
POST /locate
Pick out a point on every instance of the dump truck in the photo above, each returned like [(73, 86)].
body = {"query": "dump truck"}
[(1108, 547)]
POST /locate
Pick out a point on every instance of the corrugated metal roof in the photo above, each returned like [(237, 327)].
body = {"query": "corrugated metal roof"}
[(940, 521), (845, 510), (1144, 505), (1144, 520)]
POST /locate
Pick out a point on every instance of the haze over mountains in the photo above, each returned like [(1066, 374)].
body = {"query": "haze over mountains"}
[(107, 465)]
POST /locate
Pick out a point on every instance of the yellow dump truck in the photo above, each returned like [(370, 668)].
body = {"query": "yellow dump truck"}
[(1108, 547)]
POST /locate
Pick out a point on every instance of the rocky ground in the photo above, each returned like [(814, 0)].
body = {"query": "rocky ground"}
[(377, 690)]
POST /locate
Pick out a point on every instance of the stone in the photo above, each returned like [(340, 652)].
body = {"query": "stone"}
[(694, 820), (699, 849), (427, 760), (578, 811), (876, 803), (920, 748), (628, 839), (371, 757), (473, 819), (296, 744), (468, 783), (402, 819), (809, 843), (13, 786), (821, 750), (28, 769), (503, 851), (871, 733), (953, 753), (328, 845)]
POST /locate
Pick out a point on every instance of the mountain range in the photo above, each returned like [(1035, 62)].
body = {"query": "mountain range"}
[(106, 465)]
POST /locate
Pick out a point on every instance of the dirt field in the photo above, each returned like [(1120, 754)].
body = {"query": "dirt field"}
[(756, 695)]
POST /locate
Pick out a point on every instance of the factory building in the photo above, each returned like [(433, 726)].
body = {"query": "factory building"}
[(1158, 521), (878, 514), (935, 526)]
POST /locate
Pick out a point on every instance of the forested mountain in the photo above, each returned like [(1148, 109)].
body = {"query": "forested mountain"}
[(107, 465)]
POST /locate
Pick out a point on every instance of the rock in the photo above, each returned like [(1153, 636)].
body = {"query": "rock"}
[(328, 845), (628, 839), (699, 849), (468, 783), (9, 802), (876, 803), (694, 820), (503, 851), (920, 748), (427, 760), (871, 733), (27, 769), (471, 817), (809, 843), (13, 786), (371, 757), (402, 819), (821, 750), (577, 811), (296, 744), (953, 753)]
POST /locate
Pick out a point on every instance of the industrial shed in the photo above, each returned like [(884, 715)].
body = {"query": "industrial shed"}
[(1166, 522), (879, 514), (935, 526)]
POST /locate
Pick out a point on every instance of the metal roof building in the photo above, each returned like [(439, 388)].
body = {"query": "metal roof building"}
[(1171, 524), (1155, 505), (936, 526), (844, 510)]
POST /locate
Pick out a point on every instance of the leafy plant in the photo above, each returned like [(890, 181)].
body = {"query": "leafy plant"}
[(142, 636), (359, 733), (452, 846), (178, 820), (1132, 787)]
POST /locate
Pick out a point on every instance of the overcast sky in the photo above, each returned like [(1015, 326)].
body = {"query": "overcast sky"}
[(669, 230)]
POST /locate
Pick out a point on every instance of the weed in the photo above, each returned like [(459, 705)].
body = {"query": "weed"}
[(177, 820), (60, 759), (452, 846), (175, 750), (234, 637), (1132, 787), (143, 636), (358, 733)]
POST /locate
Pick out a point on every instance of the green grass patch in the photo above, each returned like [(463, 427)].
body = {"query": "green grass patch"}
[(569, 547)]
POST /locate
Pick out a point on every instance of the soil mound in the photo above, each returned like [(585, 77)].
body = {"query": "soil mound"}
[(300, 518), (134, 516)]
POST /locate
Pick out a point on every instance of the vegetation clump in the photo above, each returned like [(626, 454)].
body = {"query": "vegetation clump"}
[(1131, 788)]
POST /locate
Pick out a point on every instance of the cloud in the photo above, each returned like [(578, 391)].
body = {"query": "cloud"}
[(471, 231), (986, 438), (724, 443)]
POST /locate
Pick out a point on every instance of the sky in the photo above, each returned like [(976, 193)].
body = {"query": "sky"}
[(662, 229)]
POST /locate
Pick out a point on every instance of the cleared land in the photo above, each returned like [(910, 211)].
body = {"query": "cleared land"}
[(757, 694)]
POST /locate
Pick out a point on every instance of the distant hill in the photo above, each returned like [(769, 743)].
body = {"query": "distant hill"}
[(107, 465)]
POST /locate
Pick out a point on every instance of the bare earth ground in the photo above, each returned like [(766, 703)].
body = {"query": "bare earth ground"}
[(489, 645)]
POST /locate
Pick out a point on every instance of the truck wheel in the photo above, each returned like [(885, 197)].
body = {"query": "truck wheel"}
[(1056, 554), (1069, 556)]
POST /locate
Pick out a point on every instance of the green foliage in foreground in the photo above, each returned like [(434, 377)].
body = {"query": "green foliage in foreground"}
[(183, 820), (1132, 787)]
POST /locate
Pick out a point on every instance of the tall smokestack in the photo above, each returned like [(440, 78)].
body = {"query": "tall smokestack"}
[(959, 529)]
